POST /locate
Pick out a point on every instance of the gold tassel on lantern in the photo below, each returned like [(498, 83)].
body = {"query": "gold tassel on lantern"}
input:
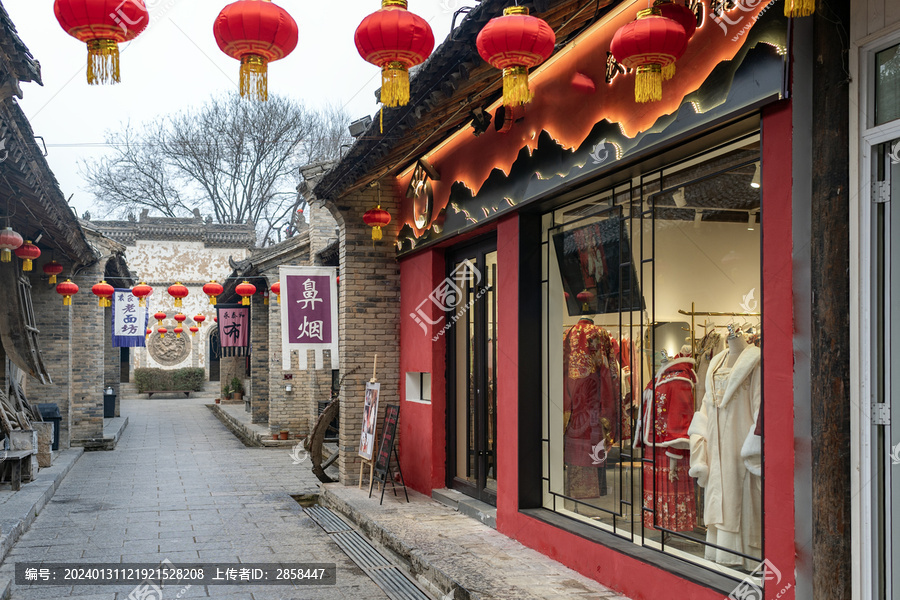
[(648, 84), (376, 233), (245, 301), (103, 62), (515, 86), (254, 77), (394, 84), (668, 72), (799, 8), (177, 302)]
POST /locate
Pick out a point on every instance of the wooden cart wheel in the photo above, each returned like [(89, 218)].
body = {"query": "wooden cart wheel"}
[(316, 440)]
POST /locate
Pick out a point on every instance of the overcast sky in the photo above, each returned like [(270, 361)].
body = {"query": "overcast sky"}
[(175, 63)]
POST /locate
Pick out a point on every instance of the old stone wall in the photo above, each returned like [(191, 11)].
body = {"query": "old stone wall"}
[(111, 359), (89, 326), (259, 359)]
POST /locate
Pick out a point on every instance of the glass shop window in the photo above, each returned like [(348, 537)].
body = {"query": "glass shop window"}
[(653, 381), (887, 85)]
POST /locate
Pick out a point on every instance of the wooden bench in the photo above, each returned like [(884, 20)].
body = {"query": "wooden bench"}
[(187, 394), (12, 462)]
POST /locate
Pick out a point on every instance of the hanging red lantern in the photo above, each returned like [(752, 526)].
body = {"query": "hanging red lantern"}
[(193, 329), (102, 25), (514, 43), (213, 289), (162, 331), (646, 45), (9, 241), (198, 319), (28, 252), (104, 292), (376, 219), (53, 269), (141, 291), (160, 316), (181, 319), (255, 33), (67, 289), (276, 289), (178, 331), (395, 40), (245, 290), (799, 8), (178, 292), (149, 331), (681, 14), (585, 297), (215, 319)]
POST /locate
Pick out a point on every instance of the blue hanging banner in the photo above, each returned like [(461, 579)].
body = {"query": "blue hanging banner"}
[(129, 320)]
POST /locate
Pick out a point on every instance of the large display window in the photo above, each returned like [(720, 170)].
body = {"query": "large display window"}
[(652, 399)]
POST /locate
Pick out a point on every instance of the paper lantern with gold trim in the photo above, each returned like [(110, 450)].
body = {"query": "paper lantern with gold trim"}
[(178, 292), (9, 241), (255, 32), (198, 319), (376, 219), (67, 289), (395, 40), (104, 292), (193, 329), (245, 290), (515, 43), (213, 289), (141, 291), (646, 45), (102, 25), (680, 13), (276, 289), (28, 252), (53, 269), (160, 317)]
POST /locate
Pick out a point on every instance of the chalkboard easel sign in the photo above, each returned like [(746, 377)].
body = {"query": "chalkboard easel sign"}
[(385, 450)]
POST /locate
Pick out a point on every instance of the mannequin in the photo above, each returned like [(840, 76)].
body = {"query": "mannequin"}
[(718, 431)]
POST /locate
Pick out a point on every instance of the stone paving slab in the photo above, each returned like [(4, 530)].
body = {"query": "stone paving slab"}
[(180, 486), (459, 557)]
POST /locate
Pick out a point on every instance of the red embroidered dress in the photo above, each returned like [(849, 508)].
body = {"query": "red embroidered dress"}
[(665, 417)]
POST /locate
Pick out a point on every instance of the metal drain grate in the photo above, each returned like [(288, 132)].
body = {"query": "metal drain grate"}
[(382, 571)]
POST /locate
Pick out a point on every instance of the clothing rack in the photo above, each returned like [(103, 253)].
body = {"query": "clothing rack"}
[(695, 313)]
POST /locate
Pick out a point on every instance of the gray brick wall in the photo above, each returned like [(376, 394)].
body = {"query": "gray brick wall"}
[(89, 323), (111, 358), (259, 360)]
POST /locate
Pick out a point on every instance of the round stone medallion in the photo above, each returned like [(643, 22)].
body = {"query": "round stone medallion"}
[(169, 351)]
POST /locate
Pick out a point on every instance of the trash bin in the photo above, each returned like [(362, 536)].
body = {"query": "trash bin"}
[(109, 405), (50, 414)]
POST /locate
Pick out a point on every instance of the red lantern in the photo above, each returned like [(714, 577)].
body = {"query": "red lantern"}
[(28, 252), (178, 331), (9, 241), (215, 319), (376, 219), (395, 40), (245, 290), (193, 329), (276, 289), (102, 25), (199, 320), (585, 297), (53, 269), (104, 292), (681, 14), (213, 289), (149, 331), (67, 289), (255, 33), (159, 318), (141, 291), (647, 45), (162, 332), (178, 292), (515, 42)]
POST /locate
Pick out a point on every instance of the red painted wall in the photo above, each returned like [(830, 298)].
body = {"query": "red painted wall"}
[(636, 579), (423, 430)]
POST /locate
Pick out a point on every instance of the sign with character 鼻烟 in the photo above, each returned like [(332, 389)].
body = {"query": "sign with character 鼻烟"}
[(309, 314)]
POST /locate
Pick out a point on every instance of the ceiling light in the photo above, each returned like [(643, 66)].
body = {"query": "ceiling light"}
[(754, 183), (678, 197)]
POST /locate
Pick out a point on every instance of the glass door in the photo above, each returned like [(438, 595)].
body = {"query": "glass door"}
[(885, 437), (472, 359)]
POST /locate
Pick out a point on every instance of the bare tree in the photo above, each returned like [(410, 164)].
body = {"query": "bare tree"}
[(233, 159)]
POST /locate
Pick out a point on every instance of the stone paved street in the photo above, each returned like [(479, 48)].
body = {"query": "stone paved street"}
[(181, 486)]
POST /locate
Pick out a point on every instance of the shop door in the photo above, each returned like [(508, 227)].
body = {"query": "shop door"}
[(885, 436), (124, 365), (472, 359)]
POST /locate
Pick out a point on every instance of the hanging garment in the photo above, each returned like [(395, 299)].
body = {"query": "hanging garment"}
[(719, 430), (590, 401), (710, 345), (668, 407)]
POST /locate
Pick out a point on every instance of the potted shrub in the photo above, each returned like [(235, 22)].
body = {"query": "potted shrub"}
[(227, 391), (237, 389)]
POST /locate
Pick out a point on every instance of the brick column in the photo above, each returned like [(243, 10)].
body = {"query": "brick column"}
[(111, 358), (259, 360), (370, 314), (55, 324), (89, 323)]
